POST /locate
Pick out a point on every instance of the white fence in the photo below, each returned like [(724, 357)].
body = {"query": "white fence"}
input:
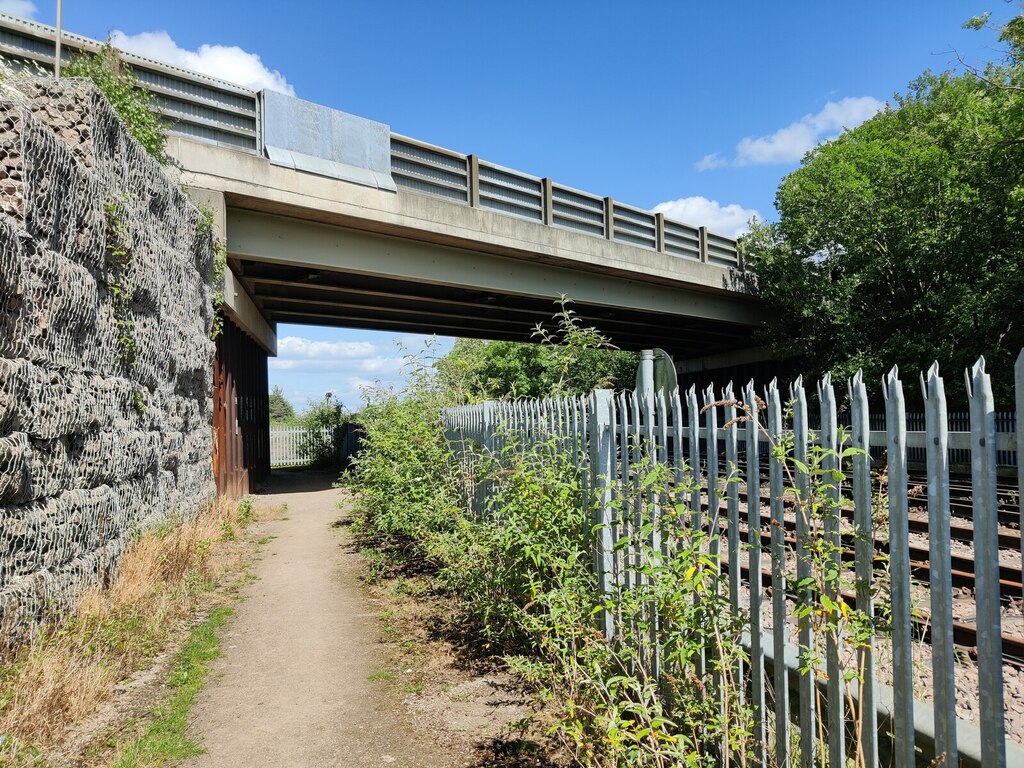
[(605, 433), (286, 444)]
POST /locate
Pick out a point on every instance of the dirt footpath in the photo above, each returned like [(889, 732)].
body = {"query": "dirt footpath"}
[(292, 687)]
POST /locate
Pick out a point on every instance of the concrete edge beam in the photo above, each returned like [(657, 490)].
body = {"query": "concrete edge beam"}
[(238, 304), (265, 237), (252, 182)]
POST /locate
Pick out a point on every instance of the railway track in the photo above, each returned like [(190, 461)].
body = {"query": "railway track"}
[(962, 567), (965, 635)]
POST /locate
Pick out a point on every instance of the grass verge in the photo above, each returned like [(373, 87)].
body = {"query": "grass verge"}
[(164, 739), (166, 577)]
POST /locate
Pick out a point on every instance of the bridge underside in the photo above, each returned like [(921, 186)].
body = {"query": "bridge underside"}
[(302, 272), (300, 295)]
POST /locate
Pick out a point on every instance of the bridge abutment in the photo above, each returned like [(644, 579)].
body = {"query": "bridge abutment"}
[(105, 350)]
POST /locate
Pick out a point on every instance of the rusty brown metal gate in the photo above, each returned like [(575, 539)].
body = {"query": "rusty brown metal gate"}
[(241, 419)]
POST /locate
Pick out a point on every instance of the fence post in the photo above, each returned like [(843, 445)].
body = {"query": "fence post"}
[(645, 379), (829, 440), (1018, 377), (696, 518), (732, 496), (805, 634), (780, 631), (626, 524), (547, 201), (487, 425), (601, 468), (473, 180), (753, 469), (899, 559), (986, 565), (864, 553), (940, 578)]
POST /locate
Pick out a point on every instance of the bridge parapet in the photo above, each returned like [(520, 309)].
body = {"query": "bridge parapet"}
[(203, 108)]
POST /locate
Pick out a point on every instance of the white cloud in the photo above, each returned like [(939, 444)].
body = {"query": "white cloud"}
[(358, 384), (298, 347), (351, 370), (24, 8), (708, 162), (730, 220), (295, 353), (376, 365), (227, 62), (790, 144)]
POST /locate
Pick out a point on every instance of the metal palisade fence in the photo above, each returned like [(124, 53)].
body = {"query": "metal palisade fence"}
[(757, 477)]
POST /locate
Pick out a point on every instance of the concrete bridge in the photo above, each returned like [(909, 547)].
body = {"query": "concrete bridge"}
[(332, 219)]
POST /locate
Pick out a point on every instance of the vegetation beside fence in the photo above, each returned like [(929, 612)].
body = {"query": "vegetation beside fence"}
[(582, 538), (523, 576)]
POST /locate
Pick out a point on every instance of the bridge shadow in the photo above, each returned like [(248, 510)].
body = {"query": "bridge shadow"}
[(512, 753), (285, 481)]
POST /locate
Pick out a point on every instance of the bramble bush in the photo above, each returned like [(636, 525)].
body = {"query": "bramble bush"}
[(652, 673), (523, 576), (321, 420)]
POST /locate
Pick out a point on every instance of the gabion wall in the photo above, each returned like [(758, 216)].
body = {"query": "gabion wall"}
[(105, 351)]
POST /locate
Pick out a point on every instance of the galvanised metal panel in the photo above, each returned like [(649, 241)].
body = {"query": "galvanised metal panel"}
[(722, 250), (576, 210), (181, 110), (421, 168), (510, 192), (214, 136), (635, 226), (16, 42), (682, 240), (161, 82), (195, 105), (328, 142)]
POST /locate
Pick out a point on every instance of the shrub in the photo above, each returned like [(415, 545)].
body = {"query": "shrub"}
[(133, 105), (321, 420)]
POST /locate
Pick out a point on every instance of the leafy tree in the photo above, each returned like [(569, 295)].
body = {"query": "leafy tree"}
[(571, 359), (321, 420), (902, 241), (133, 105), (280, 409)]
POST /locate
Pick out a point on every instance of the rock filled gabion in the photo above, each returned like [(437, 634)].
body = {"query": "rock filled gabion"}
[(105, 351)]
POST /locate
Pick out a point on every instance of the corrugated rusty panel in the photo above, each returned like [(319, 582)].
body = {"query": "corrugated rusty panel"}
[(241, 413)]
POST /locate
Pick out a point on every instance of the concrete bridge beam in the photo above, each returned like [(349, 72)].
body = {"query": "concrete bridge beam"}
[(238, 304)]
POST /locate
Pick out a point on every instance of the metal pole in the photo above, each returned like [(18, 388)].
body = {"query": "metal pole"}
[(645, 379), (56, 60)]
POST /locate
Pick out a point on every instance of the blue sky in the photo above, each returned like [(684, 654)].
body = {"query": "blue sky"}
[(697, 109)]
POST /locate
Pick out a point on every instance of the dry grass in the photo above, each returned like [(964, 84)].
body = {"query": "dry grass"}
[(70, 668)]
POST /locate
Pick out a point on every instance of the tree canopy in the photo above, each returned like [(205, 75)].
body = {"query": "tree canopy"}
[(280, 409), (571, 359), (902, 241)]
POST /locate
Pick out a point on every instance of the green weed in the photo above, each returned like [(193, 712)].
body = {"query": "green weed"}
[(164, 739)]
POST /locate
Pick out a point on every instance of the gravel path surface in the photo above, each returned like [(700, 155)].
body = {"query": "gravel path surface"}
[(292, 687)]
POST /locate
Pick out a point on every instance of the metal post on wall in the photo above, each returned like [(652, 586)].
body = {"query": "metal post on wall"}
[(56, 59)]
